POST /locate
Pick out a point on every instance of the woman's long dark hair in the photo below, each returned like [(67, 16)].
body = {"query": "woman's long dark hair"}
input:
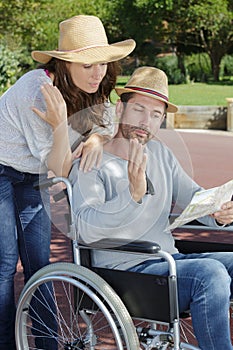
[(83, 109)]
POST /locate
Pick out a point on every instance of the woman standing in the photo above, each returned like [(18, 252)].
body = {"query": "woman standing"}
[(41, 116)]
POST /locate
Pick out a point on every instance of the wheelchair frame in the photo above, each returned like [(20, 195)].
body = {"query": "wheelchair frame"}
[(123, 304)]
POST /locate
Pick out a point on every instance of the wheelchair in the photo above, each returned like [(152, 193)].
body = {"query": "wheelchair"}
[(77, 306)]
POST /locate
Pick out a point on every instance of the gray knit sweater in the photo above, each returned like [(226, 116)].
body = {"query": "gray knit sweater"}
[(104, 208)]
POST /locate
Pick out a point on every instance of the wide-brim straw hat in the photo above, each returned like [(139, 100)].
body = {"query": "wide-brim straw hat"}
[(151, 82), (83, 39)]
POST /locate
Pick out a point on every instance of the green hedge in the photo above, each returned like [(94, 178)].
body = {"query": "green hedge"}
[(13, 64)]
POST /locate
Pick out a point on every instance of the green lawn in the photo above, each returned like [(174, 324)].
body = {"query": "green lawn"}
[(200, 94), (194, 94)]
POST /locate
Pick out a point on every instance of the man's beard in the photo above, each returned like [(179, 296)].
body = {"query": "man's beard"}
[(129, 132)]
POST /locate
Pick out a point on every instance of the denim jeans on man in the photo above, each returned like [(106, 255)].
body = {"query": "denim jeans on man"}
[(25, 232), (205, 287)]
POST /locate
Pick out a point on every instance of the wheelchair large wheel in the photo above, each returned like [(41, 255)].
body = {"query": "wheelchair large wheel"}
[(187, 335), (65, 306)]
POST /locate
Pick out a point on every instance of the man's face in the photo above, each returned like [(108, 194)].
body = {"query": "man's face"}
[(141, 118)]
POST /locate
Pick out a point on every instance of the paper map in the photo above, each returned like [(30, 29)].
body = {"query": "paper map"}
[(203, 203)]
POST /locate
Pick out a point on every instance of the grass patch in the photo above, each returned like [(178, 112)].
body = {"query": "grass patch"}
[(193, 94), (200, 94)]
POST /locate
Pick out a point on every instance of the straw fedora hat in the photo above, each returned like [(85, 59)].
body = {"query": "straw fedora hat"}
[(83, 40), (151, 82)]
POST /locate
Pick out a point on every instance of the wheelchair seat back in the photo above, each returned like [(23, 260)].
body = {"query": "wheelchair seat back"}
[(145, 296)]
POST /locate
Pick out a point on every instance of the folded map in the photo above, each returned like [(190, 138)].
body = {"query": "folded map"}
[(203, 203)]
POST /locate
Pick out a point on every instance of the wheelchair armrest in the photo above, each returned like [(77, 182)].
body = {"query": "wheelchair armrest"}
[(125, 245), (187, 246)]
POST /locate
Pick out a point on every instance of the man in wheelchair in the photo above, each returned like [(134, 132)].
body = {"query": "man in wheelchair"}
[(130, 197)]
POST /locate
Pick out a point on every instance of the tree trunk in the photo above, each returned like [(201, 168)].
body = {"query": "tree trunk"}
[(181, 65), (215, 64)]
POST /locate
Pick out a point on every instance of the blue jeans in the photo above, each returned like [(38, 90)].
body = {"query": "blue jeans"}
[(205, 287), (24, 232)]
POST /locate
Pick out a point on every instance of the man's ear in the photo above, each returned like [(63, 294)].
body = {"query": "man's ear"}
[(164, 116), (119, 108)]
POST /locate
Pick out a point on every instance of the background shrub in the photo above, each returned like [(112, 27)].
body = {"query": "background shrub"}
[(226, 67), (198, 68), (13, 64), (169, 64)]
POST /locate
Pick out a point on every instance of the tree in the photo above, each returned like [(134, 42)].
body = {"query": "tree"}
[(215, 28), (19, 30), (137, 19), (185, 26), (34, 23), (20, 22), (194, 25)]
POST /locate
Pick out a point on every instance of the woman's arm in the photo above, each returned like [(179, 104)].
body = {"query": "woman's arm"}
[(59, 159), (91, 150)]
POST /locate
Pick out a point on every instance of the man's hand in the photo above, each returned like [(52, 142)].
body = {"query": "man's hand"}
[(136, 170), (225, 215)]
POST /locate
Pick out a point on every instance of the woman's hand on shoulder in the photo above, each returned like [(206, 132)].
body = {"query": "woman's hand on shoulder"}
[(90, 151)]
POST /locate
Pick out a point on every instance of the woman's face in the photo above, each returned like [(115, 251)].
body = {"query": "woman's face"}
[(87, 77)]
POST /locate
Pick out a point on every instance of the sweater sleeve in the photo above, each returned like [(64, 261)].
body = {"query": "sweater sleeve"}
[(38, 133), (31, 137), (184, 190), (99, 209)]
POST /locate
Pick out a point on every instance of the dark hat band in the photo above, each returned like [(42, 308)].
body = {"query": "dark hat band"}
[(152, 92)]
